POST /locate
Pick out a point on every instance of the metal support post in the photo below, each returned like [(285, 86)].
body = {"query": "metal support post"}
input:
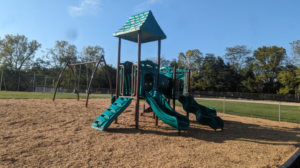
[(174, 86), (75, 78), (117, 75), (158, 69), (137, 103), (87, 80), (79, 78), (188, 85)]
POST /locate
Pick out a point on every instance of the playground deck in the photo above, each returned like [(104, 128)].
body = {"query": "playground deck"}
[(43, 133)]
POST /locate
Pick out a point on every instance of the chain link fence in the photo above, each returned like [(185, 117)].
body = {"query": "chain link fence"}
[(267, 106), (32, 82), (248, 96), (271, 110), (72, 90), (23, 81)]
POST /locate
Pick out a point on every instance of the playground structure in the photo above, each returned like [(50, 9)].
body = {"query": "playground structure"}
[(68, 64), (146, 80)]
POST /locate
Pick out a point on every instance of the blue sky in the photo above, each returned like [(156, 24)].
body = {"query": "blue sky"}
[(209, 26)]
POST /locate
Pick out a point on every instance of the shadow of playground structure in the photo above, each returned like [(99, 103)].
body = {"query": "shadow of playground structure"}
[(233, 130)]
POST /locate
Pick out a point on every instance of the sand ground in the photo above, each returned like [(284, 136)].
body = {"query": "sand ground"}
[(43, 133)]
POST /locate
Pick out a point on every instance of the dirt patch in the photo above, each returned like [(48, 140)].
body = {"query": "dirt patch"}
[(43, 133)]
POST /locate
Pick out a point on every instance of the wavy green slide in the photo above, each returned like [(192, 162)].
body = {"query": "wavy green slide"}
[(204, 115), (105, 119), (164, 112)]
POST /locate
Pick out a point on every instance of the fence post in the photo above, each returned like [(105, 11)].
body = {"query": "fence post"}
[(279, 111), (45, 84), (224, 105), (1, 80), (19, 82), (33, 82)]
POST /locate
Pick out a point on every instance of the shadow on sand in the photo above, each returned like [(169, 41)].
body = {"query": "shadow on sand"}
[(233, 130)]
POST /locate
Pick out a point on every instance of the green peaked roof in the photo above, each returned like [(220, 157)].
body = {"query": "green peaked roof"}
[(144, 22)]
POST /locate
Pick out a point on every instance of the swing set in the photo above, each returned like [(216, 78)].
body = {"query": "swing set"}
[(68, 64)]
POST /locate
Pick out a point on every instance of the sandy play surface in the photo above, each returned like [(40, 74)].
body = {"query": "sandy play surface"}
[(43, 133)]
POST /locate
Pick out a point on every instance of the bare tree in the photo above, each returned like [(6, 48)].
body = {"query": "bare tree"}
[(296, 52)]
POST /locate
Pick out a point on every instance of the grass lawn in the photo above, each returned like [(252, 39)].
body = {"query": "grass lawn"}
[(257, 110)]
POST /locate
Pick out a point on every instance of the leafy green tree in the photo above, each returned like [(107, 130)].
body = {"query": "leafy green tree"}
[(236, 56), (268, 63), (247, 76), (290, 81), (208, 74), (224, 80), (17, 52), (174, 63), (194, 59), (101, 78), (62, 52), (91, 53)]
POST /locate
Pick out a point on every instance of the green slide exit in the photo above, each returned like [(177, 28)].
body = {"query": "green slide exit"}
[(204, 115), (164, 112), (105, 119)]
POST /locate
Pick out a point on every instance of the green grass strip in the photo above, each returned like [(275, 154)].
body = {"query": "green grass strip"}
[(256, 110)]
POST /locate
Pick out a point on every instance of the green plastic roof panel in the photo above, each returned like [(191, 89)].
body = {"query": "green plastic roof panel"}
[(144, 22)]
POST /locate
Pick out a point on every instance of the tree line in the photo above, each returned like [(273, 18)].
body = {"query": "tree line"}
[(17, 57), (267, 69)]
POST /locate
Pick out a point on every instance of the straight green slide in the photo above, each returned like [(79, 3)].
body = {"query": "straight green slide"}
[(204, 115), (164, 112), (105, 119)]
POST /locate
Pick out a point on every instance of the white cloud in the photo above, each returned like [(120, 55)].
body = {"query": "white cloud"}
[(144, 6), (86, 7)]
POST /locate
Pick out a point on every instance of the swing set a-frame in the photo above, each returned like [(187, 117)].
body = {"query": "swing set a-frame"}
[(69, 64)]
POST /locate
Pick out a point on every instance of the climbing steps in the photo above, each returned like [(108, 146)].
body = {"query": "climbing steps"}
[(117, 107)]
